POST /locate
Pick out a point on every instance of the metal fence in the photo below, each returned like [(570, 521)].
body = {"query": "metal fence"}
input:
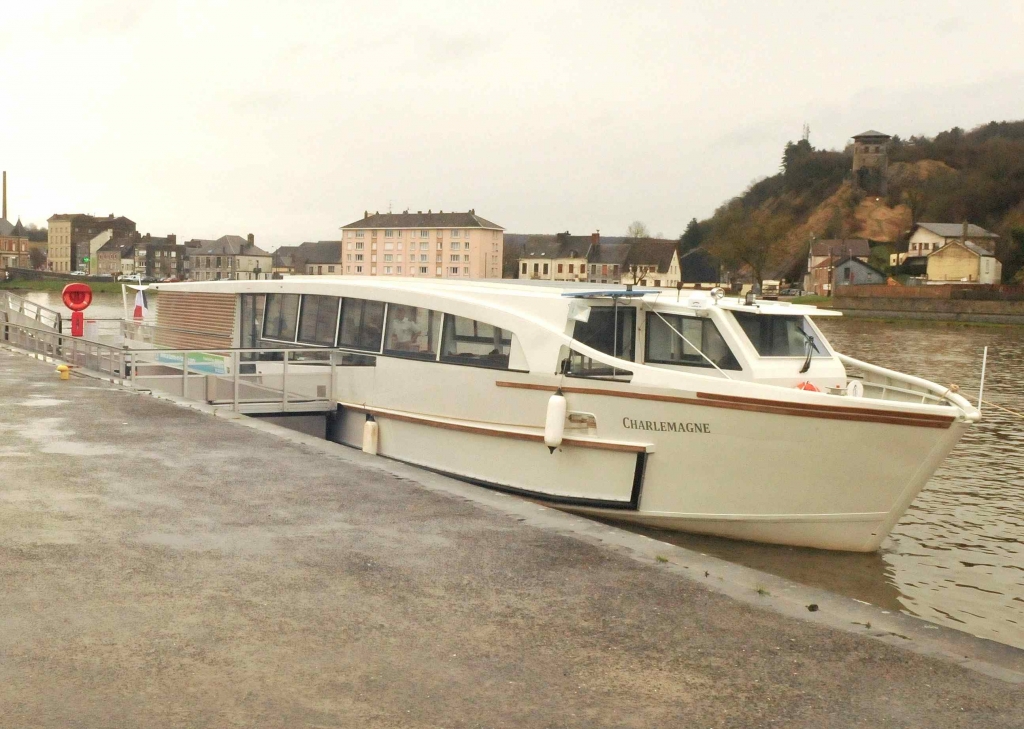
[(241, 379), (19, 310)]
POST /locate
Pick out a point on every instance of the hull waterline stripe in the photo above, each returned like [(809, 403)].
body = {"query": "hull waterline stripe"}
[(730, 402), (496, 432)]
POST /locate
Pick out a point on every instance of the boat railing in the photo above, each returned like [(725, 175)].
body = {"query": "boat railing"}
[(261, 380), (20, 310), (885, 384)]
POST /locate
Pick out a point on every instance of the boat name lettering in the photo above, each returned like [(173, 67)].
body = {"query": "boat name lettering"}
[(666, 426)]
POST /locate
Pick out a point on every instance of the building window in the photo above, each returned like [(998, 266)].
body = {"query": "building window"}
[(348, 256), (423, 258), (330, 269), (389, 234), (455, 245), (424, 233), (465, 258), (455, 270), (319, 270), (465, 271), (437, 271), (545, 269), (398, 269), (560, 266), (524, 268), (424, 246), (423, 269), (359, 234), (359, 245), (455, 257), (387, 269), (593, 270), (389, 246), (388, 257), (359, 269), (359, 256), (455, 233), (571, 265)]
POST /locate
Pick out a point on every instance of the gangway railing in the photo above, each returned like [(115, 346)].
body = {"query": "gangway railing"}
[(19, 310), (245, 380)]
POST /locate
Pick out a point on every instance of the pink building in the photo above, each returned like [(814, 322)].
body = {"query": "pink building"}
[(431, 245)]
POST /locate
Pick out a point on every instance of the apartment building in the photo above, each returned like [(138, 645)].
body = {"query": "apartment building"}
[(229, 257), (561, 257), (432, 245), (69, 236)]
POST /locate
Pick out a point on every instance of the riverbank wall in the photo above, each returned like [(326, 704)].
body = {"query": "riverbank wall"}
[(964, 303)]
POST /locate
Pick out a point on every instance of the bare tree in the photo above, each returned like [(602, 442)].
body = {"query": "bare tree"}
[(638, 229), (755, 239)]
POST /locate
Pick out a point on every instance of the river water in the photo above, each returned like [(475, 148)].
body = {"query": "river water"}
[(957, 556)]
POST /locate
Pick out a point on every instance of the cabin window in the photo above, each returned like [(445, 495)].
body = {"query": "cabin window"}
[(601, 333), (780, 336), (471, 342), (412, 332), (318, 320), (665, 346), (362, 324), (282, 314)]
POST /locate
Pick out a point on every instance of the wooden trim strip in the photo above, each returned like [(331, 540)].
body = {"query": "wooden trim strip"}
[(495, 432), (729, 402)]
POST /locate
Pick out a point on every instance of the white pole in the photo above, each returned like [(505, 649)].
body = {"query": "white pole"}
[(981, 387)]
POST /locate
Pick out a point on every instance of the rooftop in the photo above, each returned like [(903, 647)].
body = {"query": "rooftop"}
[(420, 219), (955, 230)]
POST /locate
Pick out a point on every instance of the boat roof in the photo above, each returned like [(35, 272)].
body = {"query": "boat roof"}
[(561, 291)]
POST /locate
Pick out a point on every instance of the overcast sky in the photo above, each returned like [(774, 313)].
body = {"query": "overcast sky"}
[(288, 119)]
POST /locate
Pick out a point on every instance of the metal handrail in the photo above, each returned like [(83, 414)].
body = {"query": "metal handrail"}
[(31, 310)]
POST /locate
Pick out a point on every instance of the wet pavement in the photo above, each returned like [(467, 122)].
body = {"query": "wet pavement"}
[(164, 567)]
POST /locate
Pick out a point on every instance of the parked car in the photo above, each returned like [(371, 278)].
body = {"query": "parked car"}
[(79, 273), (792, 292)]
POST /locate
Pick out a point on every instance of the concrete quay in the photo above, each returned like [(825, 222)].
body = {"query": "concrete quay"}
[(163, 567)]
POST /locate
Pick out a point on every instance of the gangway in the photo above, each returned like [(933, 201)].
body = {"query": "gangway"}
[(19, 310), (248, 381)]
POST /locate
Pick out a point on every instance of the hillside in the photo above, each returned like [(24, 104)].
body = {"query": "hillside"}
[(957, 175)]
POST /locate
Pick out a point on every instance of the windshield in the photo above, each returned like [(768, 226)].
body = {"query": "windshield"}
[(780, 336)]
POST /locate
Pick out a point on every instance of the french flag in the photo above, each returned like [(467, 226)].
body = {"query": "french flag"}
[(140, 304)]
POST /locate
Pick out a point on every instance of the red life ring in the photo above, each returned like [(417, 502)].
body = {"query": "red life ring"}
[(808, 387)]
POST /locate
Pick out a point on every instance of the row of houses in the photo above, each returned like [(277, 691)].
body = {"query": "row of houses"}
[(936, 253)]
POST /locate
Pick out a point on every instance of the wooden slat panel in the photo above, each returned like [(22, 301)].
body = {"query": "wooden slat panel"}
[(207, 320)]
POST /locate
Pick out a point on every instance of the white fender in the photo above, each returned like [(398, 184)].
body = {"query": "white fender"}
[(554, 423), (370, 432)]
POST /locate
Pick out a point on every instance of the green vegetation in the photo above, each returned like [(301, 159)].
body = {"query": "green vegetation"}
[(99, 287), (955, 176), (824, 302), (661, 559)]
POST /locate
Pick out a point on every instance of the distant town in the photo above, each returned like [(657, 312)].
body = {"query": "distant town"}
[(745, 242)]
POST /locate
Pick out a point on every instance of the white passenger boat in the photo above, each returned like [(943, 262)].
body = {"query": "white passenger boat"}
[(683, 410)]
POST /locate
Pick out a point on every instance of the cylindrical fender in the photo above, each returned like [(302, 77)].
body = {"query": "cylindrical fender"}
[(370, 434), (554, 423)]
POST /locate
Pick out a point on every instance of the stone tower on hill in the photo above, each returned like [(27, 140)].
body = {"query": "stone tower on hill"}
[(871, 160)]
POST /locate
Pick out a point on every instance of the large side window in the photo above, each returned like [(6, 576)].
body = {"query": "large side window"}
[(467, 341), (282, 317), (318, 320), (362, 324), (780, 336), (602, 332), (412, 332), (665, 346)]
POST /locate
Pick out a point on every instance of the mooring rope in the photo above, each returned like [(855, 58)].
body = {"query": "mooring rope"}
[(956, 388)]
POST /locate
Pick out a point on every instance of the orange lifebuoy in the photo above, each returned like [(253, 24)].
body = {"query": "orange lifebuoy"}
[(807, 386)]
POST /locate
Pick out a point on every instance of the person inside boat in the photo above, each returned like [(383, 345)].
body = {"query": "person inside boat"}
[(407, 334)]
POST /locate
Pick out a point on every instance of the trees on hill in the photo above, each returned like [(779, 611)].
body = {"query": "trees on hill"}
[(756, 239)]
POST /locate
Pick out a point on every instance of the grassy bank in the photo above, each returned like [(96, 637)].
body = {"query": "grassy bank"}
[(56, 286), (822, 302)]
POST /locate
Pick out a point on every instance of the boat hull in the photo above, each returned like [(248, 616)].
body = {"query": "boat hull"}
[(807, 479)]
